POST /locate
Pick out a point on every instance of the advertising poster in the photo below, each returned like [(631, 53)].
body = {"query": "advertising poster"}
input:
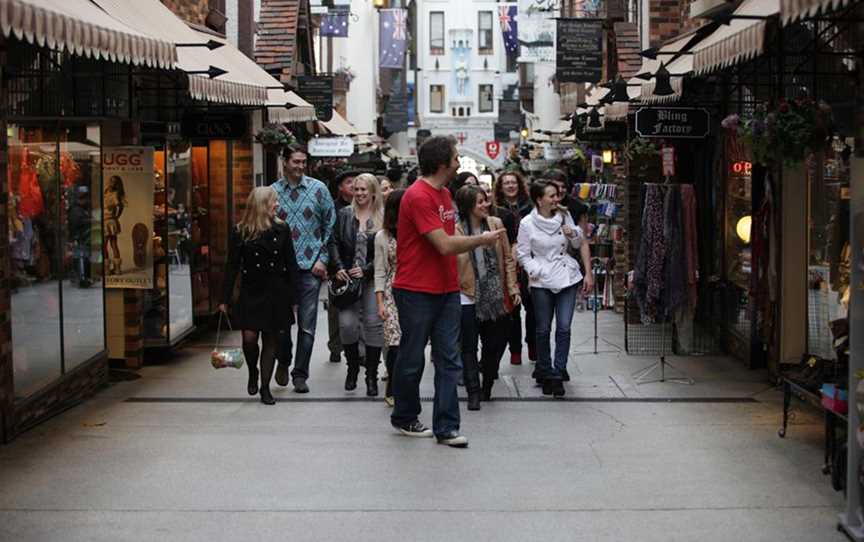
[(536, 19), (128, 216)]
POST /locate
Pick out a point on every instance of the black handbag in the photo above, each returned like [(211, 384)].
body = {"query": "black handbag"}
[(344, 294)]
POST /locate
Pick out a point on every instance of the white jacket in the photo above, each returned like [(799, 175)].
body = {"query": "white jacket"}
[(542, 251)]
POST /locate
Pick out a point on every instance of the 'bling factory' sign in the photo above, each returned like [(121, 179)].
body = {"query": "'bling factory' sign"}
[(673, 122)]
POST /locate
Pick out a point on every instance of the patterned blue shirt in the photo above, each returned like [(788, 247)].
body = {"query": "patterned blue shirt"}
[(309, 211)]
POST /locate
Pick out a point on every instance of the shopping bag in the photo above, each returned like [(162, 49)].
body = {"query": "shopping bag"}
[(225, 357)]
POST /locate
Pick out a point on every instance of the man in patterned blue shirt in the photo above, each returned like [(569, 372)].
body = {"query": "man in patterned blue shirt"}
[(306, 206)]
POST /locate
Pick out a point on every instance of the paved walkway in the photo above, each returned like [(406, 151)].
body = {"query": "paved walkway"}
[(183, 454)]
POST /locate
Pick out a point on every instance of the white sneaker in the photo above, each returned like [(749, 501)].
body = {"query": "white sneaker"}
[(454, 440), (415, 429)]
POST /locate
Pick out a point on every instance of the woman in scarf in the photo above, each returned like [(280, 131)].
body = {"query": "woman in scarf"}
[(547, 247), (489, 292)]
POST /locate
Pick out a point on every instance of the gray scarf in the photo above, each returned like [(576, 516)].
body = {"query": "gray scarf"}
[(488, 287)]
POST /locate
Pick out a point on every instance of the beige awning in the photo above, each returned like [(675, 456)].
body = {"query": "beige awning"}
[(286, 106), (84, 30), (338, 125), (792, 10), (238, 86), (740, 40), (679, 66)]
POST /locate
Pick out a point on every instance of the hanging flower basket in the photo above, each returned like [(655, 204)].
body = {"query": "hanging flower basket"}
[(275, 137), (787, 134)]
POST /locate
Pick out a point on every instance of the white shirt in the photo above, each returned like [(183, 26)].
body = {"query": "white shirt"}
[(542, 251)]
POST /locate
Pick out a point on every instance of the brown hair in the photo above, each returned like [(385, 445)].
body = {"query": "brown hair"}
[(498, 190)]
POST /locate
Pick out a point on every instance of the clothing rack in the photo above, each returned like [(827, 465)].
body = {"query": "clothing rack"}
[(657, 372)]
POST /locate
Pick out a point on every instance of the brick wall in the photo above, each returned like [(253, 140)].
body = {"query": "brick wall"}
[(666, 19), (193, 11)]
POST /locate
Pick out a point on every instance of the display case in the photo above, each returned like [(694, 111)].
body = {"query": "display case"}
[(168, 306)]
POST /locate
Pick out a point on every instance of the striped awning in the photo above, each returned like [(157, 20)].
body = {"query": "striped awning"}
[(81, 28), (241, 85), (739, 41), (286, 106), (792, 10)]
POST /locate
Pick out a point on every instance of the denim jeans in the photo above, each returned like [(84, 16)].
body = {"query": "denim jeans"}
[(546, 305), (423, 316), (307, 317)]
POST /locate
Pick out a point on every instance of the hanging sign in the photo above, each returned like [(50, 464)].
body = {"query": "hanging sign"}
[(127, 219), (510, 114), (668, 155), (396, 111), (579, 51), (493, 149), (318, 91), (331, 146), (502, 132), (673, 122)]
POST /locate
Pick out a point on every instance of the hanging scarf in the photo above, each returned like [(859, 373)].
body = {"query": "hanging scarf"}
[(488, 288)]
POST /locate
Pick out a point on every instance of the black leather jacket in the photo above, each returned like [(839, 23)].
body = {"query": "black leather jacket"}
[(343, 243)]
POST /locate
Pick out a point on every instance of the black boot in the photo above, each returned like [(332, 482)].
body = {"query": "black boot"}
[(373, 358), (352, 353), (392, 354), (487, 388), (474, 400), (252, 386), (267, 397)]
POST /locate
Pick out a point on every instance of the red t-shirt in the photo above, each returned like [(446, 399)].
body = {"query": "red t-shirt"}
[(420, 267)]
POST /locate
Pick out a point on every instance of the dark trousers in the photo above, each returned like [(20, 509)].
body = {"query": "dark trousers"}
[(494, 343), (423, 317), (530, 319)]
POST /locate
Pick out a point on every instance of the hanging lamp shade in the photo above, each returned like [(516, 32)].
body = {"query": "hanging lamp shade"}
[(619, 90), (662, 87), (594, 118)]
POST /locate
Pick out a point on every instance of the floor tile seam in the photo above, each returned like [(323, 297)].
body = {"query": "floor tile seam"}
[(636, 510)]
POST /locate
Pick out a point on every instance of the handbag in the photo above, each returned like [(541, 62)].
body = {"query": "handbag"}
[(571, 251), (344, 294), (225, 357)]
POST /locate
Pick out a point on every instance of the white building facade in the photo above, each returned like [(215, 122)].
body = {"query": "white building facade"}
[(463, 71)]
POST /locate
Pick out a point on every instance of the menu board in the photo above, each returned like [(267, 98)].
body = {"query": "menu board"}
[(579, 51), (318, 91)]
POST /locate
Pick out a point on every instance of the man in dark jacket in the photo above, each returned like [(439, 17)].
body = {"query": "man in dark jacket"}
[(342, 189)]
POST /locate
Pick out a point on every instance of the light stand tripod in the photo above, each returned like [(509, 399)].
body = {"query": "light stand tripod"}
[(641, 376), (595, 267)]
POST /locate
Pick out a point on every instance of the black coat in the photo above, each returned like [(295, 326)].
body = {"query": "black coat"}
[(268, 269), (344, 242)]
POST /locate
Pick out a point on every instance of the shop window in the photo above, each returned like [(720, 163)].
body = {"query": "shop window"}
[(55, 240), (436, 32), (486, 98), (436, 98), (484, 33)]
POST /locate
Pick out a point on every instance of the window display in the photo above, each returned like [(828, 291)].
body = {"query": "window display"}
[(55, 245), (168, 306)]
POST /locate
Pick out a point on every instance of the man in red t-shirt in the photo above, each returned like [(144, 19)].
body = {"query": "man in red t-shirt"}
[(426, 290)]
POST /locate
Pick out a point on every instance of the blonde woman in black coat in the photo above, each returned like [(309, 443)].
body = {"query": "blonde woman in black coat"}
[(262, 253)]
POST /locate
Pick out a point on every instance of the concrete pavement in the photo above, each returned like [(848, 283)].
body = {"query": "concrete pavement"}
[(183, 454)]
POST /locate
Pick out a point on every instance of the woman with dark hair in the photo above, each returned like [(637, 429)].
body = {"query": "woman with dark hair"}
[(547, 237), (511, 193), (487, 281), (462, 179), (385, 270)]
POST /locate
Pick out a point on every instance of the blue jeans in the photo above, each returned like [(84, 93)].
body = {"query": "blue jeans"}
[(546, 305), (307, 317), (421, 317)]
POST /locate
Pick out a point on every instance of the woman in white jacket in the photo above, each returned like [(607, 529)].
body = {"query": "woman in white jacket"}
[(548, 240)]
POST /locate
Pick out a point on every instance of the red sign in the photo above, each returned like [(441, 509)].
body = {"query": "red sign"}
[(668, 154), (742, 168), (493, 149)]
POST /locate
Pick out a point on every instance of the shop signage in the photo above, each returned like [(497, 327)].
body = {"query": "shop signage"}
[(555, 152), (208, 125), (493, 149), (128, 175), (742, 167), (331, 146), (673, 122), (396, 111), (668, 156), (502, 132), (579, 51), (318, 91), (510, 115)]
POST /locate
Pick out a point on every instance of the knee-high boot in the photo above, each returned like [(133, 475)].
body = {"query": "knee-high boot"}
[(392, 354), (352, 354), (373, 358)]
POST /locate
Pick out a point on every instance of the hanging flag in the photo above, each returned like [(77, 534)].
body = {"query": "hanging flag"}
[(509, 28), (393, 38), (334, 24)]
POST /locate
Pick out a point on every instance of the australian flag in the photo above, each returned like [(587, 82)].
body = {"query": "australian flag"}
[(509, 28), (334, 24), (393, 37)]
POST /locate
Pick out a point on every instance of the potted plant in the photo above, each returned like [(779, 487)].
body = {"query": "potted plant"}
[(274, 137), (787, 134), (642, 155)]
